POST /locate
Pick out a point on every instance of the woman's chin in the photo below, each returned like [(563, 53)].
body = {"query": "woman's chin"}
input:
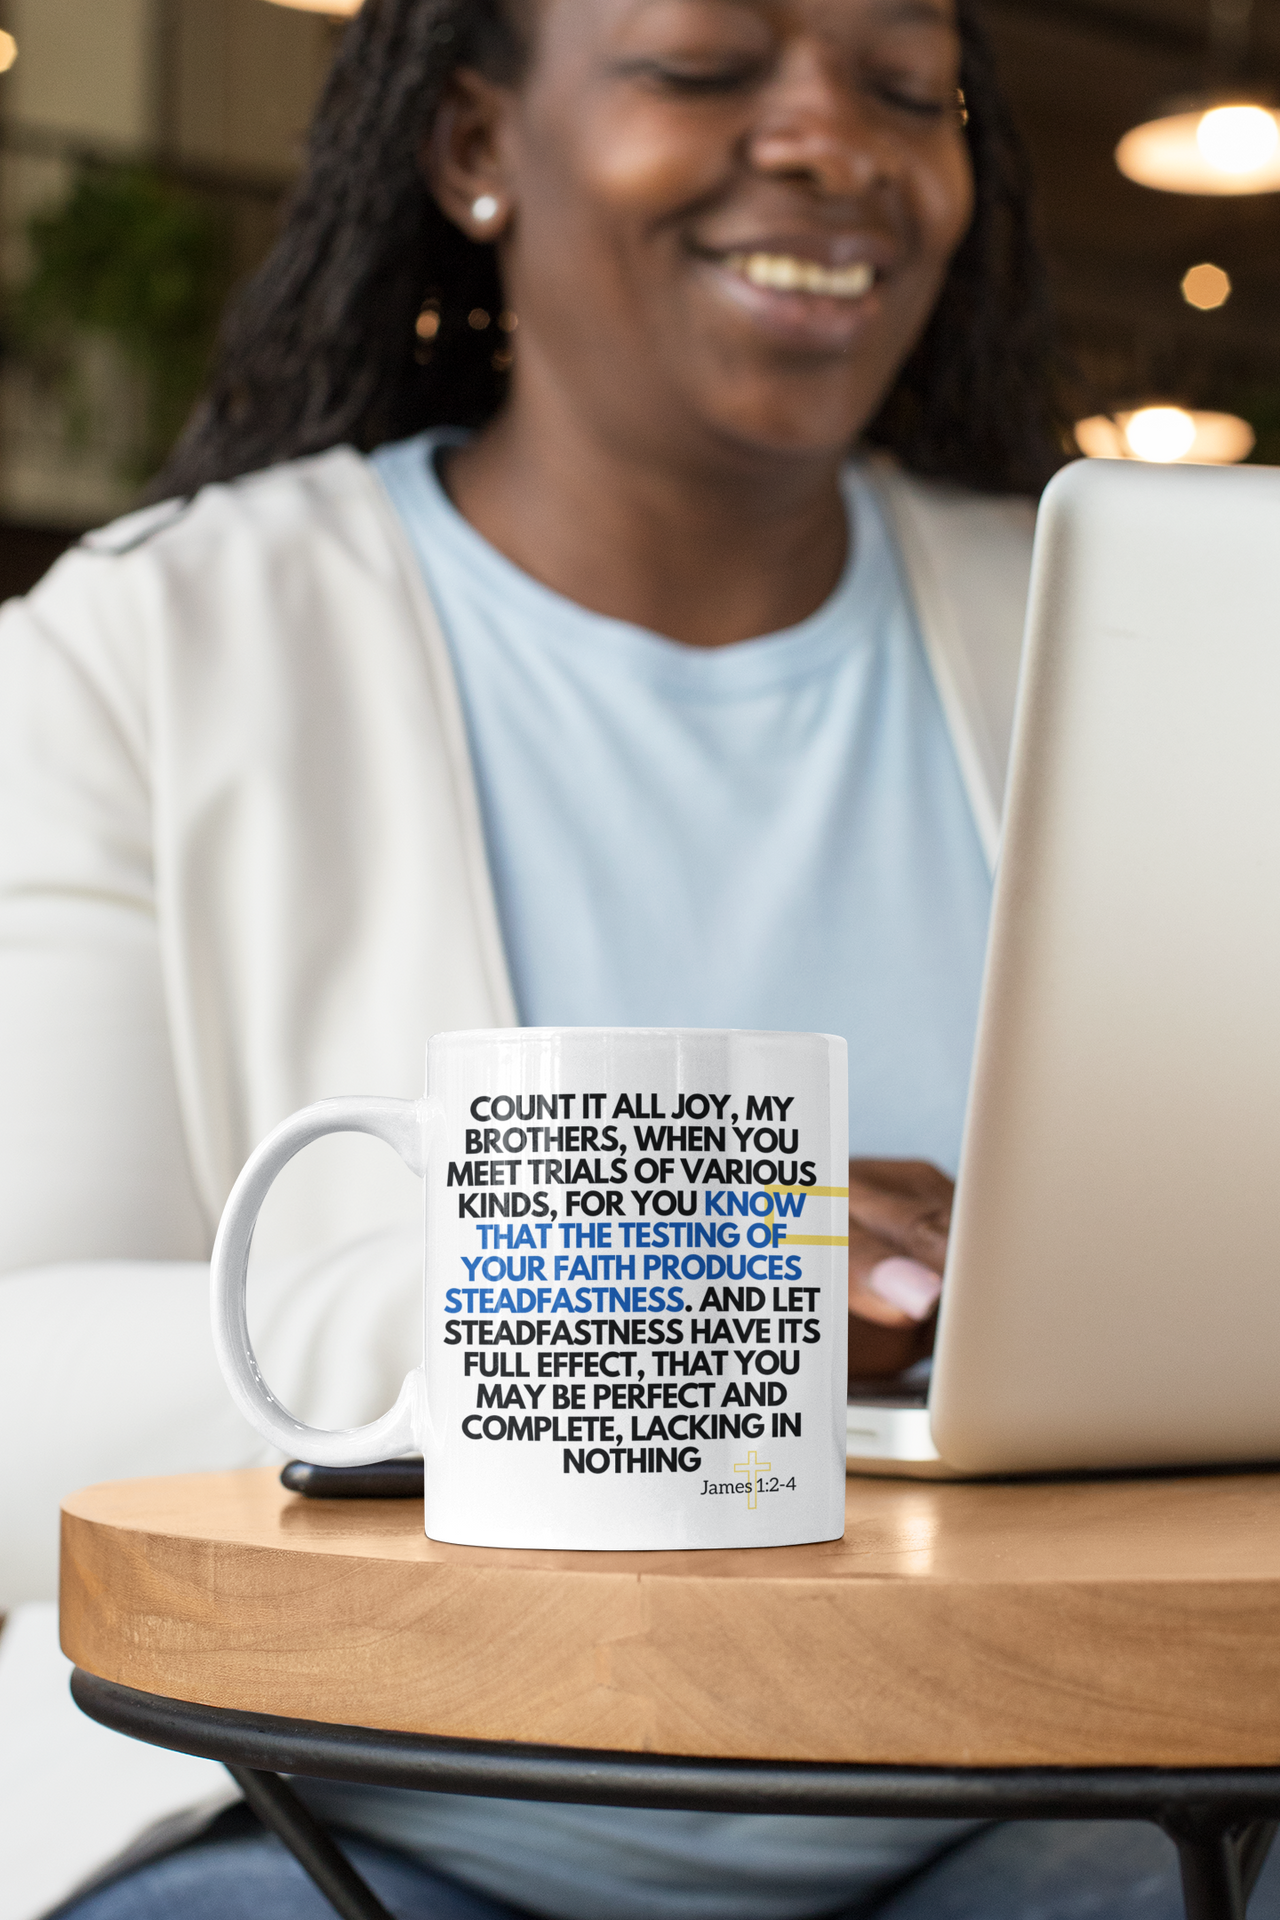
[(768, 425), (770, 405)]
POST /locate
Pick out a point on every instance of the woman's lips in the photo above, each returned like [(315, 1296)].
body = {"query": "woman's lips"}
[(802, 303)]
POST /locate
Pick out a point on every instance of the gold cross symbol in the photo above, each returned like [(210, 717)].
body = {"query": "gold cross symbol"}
[(752, 1466)]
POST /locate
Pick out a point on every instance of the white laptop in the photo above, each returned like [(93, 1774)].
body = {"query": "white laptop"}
[(1112, 1294)]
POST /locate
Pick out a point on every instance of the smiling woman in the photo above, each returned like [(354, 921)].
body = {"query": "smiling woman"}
[(682, 106), (588, 593)]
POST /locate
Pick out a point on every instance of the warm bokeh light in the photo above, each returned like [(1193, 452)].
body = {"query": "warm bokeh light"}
[(1206, 287), (1167, 436), (1216, 150), (338, 9), (8, 51), (1238, 139), (1160, 433)]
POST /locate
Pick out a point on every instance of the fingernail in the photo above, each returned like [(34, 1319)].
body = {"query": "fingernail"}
[(907, 1285)]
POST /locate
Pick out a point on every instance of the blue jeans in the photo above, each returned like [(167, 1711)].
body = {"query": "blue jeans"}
[(1032, 1870)]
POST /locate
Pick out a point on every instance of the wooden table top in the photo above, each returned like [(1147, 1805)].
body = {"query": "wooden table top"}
[(1097, 1623)]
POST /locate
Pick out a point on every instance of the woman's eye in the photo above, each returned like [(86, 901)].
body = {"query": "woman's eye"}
[(923, 104), (696, 76)]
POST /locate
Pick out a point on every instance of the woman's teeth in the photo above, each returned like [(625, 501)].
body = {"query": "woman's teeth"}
[(785, 274)]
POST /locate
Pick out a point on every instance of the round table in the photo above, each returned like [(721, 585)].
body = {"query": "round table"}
[(1052, 1649)]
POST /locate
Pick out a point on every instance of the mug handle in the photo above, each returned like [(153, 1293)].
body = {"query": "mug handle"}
[(405, 1125)]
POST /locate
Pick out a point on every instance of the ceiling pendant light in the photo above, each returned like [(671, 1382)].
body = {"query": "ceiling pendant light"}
[(1167, 436), (336, 9), (1223, 141), (1203, 146)]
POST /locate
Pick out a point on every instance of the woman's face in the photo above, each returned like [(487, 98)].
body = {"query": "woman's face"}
[(729, 220)]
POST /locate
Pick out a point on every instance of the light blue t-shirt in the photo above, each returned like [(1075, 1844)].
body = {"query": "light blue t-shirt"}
[(769, 834)]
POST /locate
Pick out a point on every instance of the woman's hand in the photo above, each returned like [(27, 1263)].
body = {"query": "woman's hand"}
[(899, 1219)]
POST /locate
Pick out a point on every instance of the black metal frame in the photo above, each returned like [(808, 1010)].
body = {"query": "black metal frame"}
[(1222, 1820)]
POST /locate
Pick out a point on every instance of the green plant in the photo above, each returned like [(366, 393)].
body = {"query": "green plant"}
[(132, 256)]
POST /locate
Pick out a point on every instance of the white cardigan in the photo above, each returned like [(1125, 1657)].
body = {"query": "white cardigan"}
[(242, 868)]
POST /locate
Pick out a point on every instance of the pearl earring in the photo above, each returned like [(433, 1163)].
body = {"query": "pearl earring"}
[(484, 209)]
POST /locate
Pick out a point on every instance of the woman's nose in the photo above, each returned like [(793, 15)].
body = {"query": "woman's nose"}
[(815, 126)]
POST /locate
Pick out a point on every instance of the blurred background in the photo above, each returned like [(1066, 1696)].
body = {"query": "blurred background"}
[(146, 147)]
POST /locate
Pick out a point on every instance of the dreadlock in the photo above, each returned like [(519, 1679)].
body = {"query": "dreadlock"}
[(978, 402), (355, 328)]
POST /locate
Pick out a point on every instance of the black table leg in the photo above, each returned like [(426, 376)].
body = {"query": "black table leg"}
[(1255, 1844), (1222, 1819), (1220, 1864), (279, 1808)]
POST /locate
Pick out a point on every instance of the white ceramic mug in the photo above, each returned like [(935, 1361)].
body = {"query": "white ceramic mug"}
[(636, 1287)]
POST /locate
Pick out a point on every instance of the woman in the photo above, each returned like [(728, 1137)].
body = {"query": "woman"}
[(619, 697)]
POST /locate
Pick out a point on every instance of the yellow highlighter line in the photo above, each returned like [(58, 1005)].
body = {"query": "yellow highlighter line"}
[(816, 1193), (815, 1240)]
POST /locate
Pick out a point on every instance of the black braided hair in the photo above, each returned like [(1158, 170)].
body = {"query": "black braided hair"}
[(355, 329), (980, 401)]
